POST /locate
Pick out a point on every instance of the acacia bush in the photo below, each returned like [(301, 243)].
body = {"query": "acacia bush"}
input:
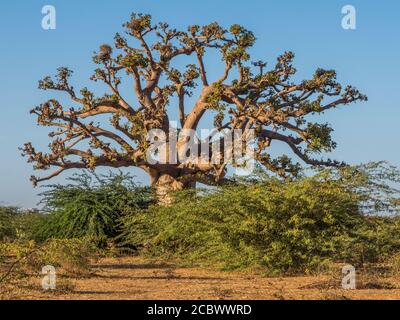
[(279, 226), (90, 206)]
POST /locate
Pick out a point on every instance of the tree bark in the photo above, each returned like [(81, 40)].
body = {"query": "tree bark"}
[(164, 184)]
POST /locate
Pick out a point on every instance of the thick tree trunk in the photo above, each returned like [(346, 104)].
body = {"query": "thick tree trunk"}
[(164, 184)]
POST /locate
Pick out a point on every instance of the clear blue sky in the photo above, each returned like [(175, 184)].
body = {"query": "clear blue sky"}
[(367, 57)]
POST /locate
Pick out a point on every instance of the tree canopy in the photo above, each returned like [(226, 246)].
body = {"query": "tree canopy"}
[(247, 95)]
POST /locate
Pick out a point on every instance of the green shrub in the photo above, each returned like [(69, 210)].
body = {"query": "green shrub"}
[(280, 226), (69, 256), (394, 264), (6, 227), (73, 256), (26, 224), (18, 224), (375, 240), (90, 207)]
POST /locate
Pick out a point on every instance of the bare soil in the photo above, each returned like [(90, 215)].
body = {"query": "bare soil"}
[(137, 278)]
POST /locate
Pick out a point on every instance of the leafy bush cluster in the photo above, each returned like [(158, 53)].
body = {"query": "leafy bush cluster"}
[(70, 256), (6, 228), (280, 226), (90, 206), (18, 224)]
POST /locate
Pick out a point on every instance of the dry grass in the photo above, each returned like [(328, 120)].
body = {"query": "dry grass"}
[(136, 278)]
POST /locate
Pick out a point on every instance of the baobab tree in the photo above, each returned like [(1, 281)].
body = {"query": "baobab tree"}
[(247, 95)]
